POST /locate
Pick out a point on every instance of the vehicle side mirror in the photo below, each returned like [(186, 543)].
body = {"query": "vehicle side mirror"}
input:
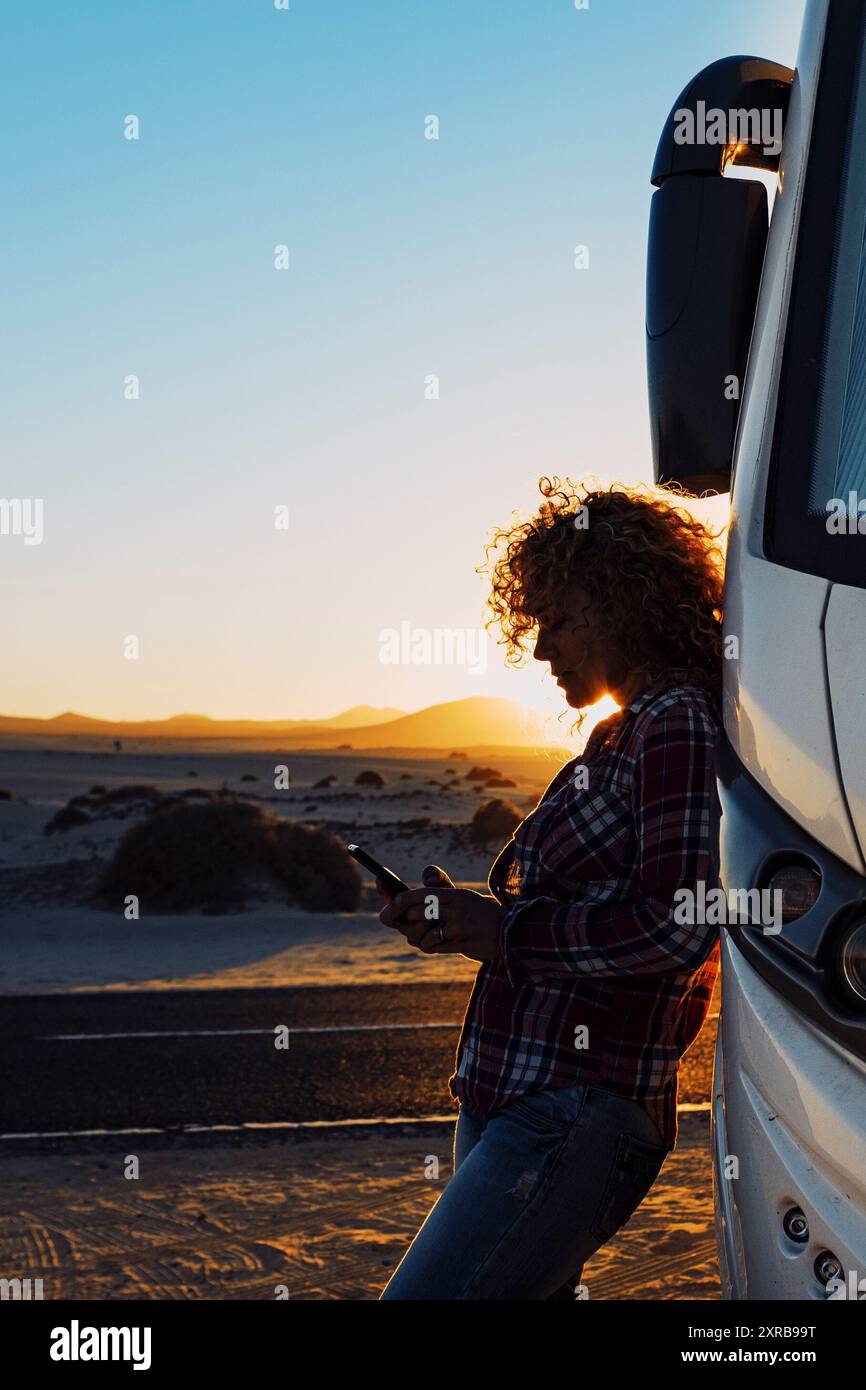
[(707, 237), (706, 252)]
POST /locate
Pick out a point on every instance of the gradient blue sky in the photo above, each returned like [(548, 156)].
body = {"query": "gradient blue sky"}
[(306, 387)]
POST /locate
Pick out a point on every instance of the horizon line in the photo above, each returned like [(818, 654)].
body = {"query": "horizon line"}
[(248, 719)]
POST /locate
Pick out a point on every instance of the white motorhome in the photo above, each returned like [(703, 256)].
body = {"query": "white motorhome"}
[(756, 343)]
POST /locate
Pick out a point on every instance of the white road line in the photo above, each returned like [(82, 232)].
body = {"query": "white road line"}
[(276, 1126), (248, 1032), (241, 1032)]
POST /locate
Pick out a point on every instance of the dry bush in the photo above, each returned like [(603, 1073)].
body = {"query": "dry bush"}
[(369, 779), (212, 856), (495, 820), (99, 804)]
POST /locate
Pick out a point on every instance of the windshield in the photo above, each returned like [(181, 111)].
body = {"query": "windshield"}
[(818, 473)]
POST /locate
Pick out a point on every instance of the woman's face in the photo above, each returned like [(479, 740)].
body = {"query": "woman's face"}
[(581, 659)]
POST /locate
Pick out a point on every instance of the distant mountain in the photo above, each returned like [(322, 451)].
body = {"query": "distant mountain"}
[(359, 716), (477, 721), (193, 725), (66, 721)]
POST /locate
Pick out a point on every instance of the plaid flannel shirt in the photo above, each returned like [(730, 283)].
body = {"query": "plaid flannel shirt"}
[(599, 982)]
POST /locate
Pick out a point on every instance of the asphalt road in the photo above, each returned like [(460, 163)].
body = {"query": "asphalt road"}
[(180, 1058)]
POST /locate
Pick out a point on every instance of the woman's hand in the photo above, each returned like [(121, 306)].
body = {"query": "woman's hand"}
[(441, 919)]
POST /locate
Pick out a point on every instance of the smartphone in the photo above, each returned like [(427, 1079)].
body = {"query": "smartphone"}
[(391, 884)]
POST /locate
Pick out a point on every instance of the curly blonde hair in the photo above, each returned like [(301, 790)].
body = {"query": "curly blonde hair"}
[(653, 571)]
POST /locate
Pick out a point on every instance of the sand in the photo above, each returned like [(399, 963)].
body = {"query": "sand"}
[(50, 942), (326, 1214), (50, 950), (320, 1217)]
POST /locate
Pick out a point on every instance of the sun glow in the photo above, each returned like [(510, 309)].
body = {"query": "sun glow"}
[(602, 709)]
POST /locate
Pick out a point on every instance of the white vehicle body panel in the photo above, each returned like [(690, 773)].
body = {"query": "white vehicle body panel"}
[(788, 1106), (777, 715), (789, 1101)]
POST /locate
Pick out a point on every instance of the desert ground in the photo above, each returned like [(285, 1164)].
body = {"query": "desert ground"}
[(50, 941), (321, 1201), (324, 1216)]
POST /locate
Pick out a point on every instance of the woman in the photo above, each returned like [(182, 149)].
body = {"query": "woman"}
[(593, 979)]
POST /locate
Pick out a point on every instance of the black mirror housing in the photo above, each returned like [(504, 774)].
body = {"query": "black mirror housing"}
[(707, 238)]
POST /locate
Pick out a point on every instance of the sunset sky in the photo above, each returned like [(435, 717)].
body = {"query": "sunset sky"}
[(305, 387)]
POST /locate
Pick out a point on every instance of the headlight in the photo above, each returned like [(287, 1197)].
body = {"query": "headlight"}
[(852, 960)]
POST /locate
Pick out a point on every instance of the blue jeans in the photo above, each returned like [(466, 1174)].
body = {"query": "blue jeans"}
[(537, 1188)]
